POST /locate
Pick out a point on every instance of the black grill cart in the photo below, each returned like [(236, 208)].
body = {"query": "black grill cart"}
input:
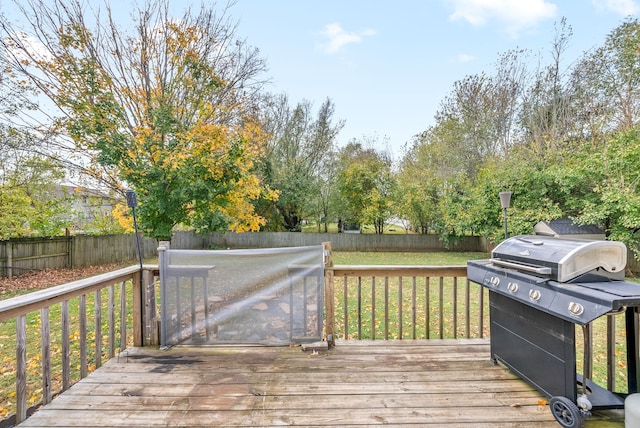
[(541, 288)]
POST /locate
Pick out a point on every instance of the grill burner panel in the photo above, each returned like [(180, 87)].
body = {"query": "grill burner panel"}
[(579, 303), (562, 259)]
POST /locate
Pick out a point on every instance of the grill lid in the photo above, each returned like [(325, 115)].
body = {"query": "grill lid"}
[(561, 259)]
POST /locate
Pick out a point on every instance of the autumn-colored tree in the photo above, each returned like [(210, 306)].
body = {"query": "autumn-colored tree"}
[(164, 105)]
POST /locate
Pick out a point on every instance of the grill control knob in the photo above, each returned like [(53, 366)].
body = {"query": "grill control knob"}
[(512, 287), (535, 295), (495, 281), (576, 308)]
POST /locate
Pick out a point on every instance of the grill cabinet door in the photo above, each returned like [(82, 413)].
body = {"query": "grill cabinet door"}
[(539, 347)]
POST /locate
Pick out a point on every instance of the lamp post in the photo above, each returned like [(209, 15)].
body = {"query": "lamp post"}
[(132, 202), (505, 201)]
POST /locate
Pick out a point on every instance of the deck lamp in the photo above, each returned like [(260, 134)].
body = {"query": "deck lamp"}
[(505, 201)]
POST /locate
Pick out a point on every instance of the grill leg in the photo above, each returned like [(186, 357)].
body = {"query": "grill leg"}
[(633, 330), (587, 368)]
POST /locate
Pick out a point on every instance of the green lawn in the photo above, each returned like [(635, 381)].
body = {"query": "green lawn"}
[(424, 258)]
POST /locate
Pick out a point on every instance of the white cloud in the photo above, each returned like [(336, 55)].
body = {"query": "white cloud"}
[(622, 7), (338, 37), (28, 48), (464, 58), (514, 16)]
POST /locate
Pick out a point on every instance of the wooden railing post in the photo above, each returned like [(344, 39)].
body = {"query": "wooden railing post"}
[(329, 294), (149, 308)]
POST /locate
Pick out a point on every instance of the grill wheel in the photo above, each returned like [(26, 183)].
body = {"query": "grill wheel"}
[(566, 412)]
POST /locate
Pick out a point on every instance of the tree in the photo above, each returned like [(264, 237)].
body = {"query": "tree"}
[(613, 195), (167, 109), (420, 184), (27, 190), (608, 81), (477, 119), (297, 159), (549, 110), (367, 185)]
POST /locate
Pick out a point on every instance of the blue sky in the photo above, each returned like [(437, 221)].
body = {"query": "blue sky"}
[(388, 65)]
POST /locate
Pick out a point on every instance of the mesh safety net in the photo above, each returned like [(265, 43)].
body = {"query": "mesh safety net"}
[(268, 296)]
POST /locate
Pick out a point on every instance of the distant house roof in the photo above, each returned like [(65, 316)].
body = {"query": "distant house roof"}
[(566, 227)]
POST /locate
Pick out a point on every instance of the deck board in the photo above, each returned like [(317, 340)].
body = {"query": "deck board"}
[(394, 383)]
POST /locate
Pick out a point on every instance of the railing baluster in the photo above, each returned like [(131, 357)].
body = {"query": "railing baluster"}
[(45, 348), (386, 308), (359, 294), (400, 317), (83, 336), (98, 327), (123, 318), (413, 309), (441, 308), (467, 313), (194, 332), (66, 349), (373, 307), (427, 306), (346, 310), (21, 368), (611, 353), (112, 323), (454, 309), (481, 311)]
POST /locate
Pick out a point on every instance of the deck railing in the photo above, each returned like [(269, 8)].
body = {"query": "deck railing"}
[(65, 332), (407, 302)]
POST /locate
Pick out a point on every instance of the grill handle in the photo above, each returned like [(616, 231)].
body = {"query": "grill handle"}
[(527, 268)]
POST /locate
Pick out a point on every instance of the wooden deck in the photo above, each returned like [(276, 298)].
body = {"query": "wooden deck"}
[(397, 383)]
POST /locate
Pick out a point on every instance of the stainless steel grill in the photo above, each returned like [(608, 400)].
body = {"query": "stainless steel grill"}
[(541, 287)]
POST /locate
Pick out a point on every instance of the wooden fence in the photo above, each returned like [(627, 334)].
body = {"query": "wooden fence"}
[(339, 241), (20, 256)]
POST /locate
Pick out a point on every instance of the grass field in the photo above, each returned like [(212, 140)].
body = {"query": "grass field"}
[(405, 258)]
